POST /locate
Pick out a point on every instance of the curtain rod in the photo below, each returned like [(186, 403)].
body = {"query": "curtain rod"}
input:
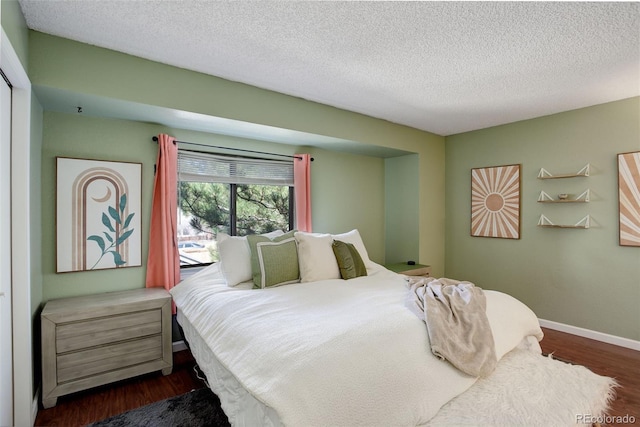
[(155, 139)]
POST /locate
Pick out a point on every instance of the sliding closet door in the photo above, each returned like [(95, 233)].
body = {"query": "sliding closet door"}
[(6, 366)]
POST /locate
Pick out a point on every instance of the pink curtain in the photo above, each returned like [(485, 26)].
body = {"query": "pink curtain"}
[(163, 263), (302, 191)]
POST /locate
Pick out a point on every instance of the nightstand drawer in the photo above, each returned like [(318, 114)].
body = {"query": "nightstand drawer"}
[(80, 364), (79, 335)]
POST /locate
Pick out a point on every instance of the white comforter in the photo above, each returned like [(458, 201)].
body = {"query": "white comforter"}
[(337, 352)]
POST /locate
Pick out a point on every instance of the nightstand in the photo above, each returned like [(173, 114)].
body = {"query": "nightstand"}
[(92, 340), (410, 270)]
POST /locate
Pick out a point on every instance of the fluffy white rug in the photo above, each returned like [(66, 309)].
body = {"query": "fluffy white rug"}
[(528, 389)]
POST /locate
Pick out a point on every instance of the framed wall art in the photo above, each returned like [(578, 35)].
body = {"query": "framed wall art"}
[(98, 218), (629, 198), (495, 202)]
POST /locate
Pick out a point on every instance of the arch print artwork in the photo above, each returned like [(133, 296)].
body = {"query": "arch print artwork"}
[(629, 198), (97, 214), (495, 202)]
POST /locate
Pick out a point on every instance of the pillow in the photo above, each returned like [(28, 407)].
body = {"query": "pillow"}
[(277, 263), (354, 238), (349, 260), (317, 261), (272, 263), (235, 256)]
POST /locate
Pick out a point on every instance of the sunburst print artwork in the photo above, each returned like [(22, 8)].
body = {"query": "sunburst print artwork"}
[(629, 198), (495, 202)]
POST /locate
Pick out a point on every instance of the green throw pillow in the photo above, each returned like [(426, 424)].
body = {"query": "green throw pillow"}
[(274, 262), (349, 260)]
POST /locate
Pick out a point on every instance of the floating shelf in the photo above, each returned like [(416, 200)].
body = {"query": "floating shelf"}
[(544, 174), (545, 222), (582, 198)]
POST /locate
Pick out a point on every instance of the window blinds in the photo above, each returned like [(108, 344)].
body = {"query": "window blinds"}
[(205, 167)]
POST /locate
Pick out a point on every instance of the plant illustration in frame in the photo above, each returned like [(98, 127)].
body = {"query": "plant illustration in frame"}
[(118, 228), (495, 202), (97, 214)]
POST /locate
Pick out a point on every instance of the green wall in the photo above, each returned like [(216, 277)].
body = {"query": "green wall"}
[(36, 205), (338, 180), (402, 211), (67, 135), (77, 67), (35, 200), (15, 26), (573, 276), (347, 192)]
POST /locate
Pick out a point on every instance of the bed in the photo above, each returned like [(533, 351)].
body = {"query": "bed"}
[(324, 350)]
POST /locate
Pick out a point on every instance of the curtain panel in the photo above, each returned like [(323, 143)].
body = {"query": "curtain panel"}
[(163, 263), (302, 191)]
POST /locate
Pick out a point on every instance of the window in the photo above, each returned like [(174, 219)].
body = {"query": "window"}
[(233, 195)]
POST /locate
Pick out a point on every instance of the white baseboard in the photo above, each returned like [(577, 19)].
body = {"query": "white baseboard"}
[(588, 333), (179, 346), (35, 406)]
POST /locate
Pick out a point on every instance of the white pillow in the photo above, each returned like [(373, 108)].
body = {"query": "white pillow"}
[(354, 238), (316, 257), (235, 256)]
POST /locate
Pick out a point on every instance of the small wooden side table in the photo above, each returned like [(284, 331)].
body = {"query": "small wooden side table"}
[(410, 270), (92, 340)]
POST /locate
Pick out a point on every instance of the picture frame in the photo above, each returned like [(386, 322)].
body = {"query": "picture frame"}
[(629, 198), (495, 201), (98, 214)]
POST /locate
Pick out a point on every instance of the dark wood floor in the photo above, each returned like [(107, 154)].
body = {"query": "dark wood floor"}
[(85, 407), (620, 363), (82, 408)]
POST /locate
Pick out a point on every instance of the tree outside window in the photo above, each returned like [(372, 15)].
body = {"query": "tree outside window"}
[(207, 208)]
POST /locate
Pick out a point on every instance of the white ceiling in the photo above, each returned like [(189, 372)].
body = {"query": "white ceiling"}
[(444, 67)]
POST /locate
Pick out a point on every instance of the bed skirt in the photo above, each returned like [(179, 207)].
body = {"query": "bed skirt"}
[(240, 406)]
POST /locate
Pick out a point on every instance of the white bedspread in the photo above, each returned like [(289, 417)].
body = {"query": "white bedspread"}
[(337, 352)]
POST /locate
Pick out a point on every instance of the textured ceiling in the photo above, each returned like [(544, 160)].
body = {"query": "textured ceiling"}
[(444, 67)]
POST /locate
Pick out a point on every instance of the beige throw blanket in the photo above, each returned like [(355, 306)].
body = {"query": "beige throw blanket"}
[(457, 324)]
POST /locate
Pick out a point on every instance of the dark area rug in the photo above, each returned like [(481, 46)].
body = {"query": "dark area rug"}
[(198, 408)]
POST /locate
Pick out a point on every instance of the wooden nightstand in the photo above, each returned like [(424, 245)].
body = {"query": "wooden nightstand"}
[(410, 270), (92, 340)]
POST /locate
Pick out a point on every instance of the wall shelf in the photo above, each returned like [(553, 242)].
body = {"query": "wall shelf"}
[(546, 222), (544, 174), (582, 198)]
